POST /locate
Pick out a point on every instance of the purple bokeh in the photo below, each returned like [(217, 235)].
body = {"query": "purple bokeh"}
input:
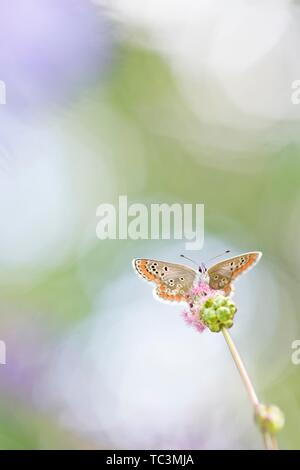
[(28, 348), (51, 50)]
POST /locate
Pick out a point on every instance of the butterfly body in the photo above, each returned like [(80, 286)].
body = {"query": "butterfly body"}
[(174, 282)]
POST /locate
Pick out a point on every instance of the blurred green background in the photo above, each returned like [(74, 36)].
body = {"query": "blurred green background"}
[(171, 102)]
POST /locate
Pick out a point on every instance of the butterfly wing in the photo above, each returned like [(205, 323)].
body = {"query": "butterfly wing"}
[(174, 281), (222, 274)]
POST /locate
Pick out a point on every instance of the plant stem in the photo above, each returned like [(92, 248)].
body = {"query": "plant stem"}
[(241, 368), (269, 441)]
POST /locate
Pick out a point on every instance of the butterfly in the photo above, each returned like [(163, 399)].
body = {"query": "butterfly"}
[(174, 282)]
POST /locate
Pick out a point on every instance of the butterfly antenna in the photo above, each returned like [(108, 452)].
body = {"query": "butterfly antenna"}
[(221, 254), (183, 256)]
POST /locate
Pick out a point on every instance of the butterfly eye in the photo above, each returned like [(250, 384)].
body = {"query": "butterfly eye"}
[(200, 269)]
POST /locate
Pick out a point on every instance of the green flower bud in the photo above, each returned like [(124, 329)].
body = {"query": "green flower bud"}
[(224, 314), (215, 327), (269, 418), (232, 306), (230, 303), (218, 312), (209, 302), (219, 301), (228, 324), (210, 315)]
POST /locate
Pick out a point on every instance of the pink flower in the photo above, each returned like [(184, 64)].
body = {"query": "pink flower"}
[(203, 290), (192, 319), (199, 294)]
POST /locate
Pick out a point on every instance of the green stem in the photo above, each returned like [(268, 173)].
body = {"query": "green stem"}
[(269, 441)]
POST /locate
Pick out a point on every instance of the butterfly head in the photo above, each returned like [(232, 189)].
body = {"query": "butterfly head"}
[(204, 277)]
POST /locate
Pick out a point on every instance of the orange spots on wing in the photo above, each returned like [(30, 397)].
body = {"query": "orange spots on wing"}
[(252, 259), (227, 289), (142, 268), (161, 292)]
